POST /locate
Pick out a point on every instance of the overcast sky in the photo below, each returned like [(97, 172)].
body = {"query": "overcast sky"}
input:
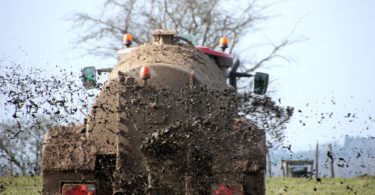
[(332, 70)]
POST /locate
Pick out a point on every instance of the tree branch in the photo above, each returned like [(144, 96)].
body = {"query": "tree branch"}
[(11, 157)]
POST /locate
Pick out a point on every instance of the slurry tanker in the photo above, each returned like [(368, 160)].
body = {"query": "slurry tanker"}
[(165, 122)]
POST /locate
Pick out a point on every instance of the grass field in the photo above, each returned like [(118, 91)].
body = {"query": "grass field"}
[(277, 185), (293, 186), (20, 185)]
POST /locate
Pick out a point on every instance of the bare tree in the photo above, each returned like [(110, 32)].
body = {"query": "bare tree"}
[(208, 20), (20, 144), (32, 100)]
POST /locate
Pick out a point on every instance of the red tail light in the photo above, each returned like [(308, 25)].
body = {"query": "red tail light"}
[(145, 73), (226, 190), (78, 189)]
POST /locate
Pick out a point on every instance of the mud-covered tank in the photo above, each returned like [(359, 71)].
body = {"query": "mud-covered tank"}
[(165, 122)]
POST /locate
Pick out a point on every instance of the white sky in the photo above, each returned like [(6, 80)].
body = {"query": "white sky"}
[(335, 62)]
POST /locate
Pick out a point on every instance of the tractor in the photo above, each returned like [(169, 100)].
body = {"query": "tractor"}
[(165, 122)]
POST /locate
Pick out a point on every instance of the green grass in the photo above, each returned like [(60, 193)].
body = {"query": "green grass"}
[(276, 185), (294, 186), (21, 185)]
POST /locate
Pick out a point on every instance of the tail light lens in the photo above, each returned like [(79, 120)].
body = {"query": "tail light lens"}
[(78, 189), (226, 190)]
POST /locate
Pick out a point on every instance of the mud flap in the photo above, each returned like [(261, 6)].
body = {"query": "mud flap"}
[(254, 183)]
